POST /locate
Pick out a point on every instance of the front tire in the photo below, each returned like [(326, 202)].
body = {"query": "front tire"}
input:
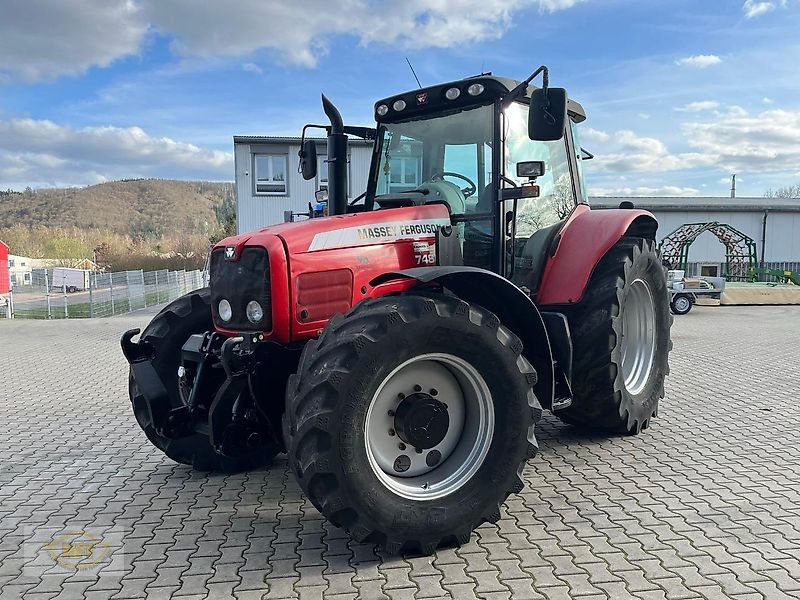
[(410, 420), (167, 332), (621, 339)]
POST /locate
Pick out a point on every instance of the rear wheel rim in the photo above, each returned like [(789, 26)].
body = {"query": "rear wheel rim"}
[(453, 382), (681, 304), (638, 336)]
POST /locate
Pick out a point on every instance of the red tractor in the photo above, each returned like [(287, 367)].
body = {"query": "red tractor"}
[(400, 350)]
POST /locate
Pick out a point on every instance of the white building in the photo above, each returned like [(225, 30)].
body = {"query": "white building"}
[(268, 182), (772, 223), (20, 269)]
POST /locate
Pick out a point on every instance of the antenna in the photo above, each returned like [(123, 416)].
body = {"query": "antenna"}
[(413, 72)]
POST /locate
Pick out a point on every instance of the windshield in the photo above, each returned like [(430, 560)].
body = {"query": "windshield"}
[(456, 148)]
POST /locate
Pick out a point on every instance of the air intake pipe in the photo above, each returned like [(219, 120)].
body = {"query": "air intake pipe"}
[(337, 160)]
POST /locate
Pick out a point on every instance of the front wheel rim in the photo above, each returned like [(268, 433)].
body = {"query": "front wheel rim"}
[(682, 304), (638, 336), (453, 382)]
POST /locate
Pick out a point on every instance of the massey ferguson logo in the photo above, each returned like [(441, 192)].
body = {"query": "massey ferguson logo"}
[(230, 252), (422, 98)]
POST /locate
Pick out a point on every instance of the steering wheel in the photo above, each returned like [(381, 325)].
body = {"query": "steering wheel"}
[(467, 191)]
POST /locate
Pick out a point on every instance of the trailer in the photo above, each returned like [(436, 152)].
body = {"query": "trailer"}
[(684, 291), (70, 280)]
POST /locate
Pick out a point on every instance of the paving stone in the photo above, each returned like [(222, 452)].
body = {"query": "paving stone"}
[(684, 510)]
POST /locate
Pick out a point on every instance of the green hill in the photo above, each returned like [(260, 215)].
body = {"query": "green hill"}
[(139, 207)]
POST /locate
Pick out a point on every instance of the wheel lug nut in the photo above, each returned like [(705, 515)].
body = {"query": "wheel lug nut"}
[(433, 458), (402, 446), (401, 395), (419, 450), (391, 413), (418, 388), (391, 432), (402, 463), (434, 392)]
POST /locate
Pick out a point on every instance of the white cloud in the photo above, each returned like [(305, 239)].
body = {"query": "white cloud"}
[(698, 106), (299, 33), (665, 190), (767, 100), (39, 152), (628, 152), (699, 61), (250, 67), (756, 8), (40, 39), (738, 141), (594, 135)]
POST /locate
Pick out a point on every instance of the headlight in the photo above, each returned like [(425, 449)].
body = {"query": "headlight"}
[(452, 93), (382, 110), (476, 89), (224, 310), (254, 311), (399, 105)]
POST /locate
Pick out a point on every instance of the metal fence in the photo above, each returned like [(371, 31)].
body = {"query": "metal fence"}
[(106, 294), (694, 269)]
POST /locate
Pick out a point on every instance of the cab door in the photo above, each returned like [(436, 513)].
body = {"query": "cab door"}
[(532, 223)]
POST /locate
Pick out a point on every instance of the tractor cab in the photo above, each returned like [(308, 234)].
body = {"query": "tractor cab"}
[(509, 179)]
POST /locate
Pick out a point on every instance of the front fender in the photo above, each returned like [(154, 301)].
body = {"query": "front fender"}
[(512, 306), (581, 244)]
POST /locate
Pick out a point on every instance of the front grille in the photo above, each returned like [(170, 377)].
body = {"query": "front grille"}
[(239, 282)]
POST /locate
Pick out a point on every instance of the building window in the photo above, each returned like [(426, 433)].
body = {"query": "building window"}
[(322, 174), (404, 174), (26, 278), (270, 173), (11, 263)]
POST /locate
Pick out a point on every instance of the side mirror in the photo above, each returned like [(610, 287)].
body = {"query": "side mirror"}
[(530, 169), (308, 159), (547, 116)]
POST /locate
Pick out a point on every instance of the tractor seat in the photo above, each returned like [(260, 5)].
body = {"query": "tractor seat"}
[(531, 260)]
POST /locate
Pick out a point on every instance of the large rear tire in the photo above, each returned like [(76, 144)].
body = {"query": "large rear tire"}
[(410, 420), (167, 332), (620, 333)]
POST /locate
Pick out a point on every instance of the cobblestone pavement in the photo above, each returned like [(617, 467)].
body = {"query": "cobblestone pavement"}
[(705, 503)]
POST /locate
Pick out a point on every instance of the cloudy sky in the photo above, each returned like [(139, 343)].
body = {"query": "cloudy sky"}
[(679, 93)]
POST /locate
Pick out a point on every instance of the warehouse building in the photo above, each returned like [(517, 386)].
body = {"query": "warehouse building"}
[(268, 183), (772, 223)]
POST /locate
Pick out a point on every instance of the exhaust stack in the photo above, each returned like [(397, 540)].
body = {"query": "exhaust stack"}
[(337, 160)]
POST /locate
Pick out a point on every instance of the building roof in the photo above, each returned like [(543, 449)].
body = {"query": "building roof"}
[(284, 139), (701, 203)]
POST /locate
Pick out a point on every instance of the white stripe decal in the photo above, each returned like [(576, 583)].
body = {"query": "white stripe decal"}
[(376, 233)]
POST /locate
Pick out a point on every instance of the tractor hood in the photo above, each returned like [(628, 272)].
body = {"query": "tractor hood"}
[(350, 231)]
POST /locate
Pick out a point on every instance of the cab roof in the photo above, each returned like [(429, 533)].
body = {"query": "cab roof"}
[(421, 100)]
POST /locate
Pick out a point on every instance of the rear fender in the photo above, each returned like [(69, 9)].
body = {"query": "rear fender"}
[(580, 245), (495, 293)]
